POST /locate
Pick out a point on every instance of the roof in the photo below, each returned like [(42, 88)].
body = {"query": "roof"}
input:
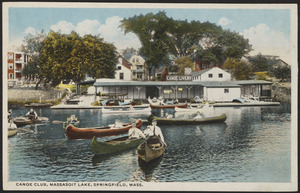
[(125, 63), (200, 72), (219, 84)]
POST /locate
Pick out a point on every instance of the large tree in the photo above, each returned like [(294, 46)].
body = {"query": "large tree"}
[(259, 63), (69, 56), (240, 70)]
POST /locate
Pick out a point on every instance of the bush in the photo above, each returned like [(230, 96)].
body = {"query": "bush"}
[(262, 75)]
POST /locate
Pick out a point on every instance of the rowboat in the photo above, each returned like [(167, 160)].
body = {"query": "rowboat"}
[(127, 110), (151, 149), (114, 146), (194, 109), (12, 132), (21, 121), (73, 132), (168, 106), (214, 119)]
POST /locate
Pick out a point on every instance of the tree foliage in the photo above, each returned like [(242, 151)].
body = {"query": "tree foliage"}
[(240, 70), (259, 63), (282, 72), (69, 56), (128, 53), (165, 73), (184, 62), (206, 42)]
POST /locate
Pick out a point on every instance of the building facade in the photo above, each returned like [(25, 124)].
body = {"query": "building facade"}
[(211, 74), (138, 67), (123, 71), (16, 61)]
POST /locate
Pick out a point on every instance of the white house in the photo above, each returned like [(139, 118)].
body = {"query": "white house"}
[(123, 71), (211, 74), (138, 67)]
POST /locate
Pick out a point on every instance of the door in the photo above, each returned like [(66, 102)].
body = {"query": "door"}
[(152, 91)]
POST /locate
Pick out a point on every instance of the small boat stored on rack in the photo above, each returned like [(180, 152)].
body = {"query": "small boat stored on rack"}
[(214, 119), (114, 145), (127, 110), (151, 149), (88, 133), (168, 106)]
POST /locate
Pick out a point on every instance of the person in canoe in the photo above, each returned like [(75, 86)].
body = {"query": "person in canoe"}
[(198, 116), (118, 124), (169, 116), (154, 130), (9, 116), (32, 114), (134, 132), (12, 125)]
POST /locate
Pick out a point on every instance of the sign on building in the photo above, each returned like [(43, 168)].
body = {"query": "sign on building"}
[(179, 78)]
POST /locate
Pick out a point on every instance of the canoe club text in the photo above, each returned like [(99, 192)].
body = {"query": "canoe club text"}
[(178, 78), (81, 184)]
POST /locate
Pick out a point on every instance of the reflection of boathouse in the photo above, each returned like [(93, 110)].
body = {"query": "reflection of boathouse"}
[(210, 90)]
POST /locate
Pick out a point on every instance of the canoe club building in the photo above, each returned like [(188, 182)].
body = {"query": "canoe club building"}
[(212, 84)]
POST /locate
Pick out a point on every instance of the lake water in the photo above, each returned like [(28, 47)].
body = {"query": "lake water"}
[(254, 145)]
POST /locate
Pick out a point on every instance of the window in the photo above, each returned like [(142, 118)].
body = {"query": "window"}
[(11, 76), (139, 76), (10, 65), (210, 75), (121, 76), (10, 56), (119, 67), (220, 75), (133, 60), (137, 59), (226, 90)]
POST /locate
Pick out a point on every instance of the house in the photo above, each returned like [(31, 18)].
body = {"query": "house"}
[(16, 61), (275, 64), (211, 74), (123, 71), (138, 67)]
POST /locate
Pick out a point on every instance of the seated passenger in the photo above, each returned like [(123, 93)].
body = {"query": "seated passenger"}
[(154, 130), (12, 125), (118, 124), (135, 133), (198, 116), (169, 116)]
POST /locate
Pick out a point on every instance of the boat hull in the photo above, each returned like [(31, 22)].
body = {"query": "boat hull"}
[(25, 121), (88, 133), (135, 111), (167, 106), (203, 109), (206, 120), (114, 146), (150, 150), (12, 132)]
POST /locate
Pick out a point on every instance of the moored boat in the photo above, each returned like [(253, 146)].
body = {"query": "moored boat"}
[(21, 121), (194, 109), (168, 106), (39, 105), (151, 149), (127, 110), (214, 119), (73, 132), (114, 146), (12, 132)]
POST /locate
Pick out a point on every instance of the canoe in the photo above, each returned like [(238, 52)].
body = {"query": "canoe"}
[(12, 132), (168, 106), (151, 149), (126, 110), (238, 100), (73, 132), (204, 120), (21, 121), (194, 109), (115, 145)]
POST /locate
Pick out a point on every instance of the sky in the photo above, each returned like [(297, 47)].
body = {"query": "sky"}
[(268, 30)]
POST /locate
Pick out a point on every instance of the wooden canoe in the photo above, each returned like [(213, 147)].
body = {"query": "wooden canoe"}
[(151, 149), (21, 121), (194, 109), (168, 106), (73, 132), (114, 146), (204, 120), (12, 132)]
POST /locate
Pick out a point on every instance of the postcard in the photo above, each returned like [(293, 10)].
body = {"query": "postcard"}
[(149, 96)]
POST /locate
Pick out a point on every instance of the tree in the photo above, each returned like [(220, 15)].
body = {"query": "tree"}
[(165, 73), (32, 46), (282, 72), (240, 70), (184, 62), (128, 53), (259, 63), (69, 56)]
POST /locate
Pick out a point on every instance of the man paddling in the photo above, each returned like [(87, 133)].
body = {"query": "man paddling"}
[(154, 130), (134, 132), (32, 114)]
